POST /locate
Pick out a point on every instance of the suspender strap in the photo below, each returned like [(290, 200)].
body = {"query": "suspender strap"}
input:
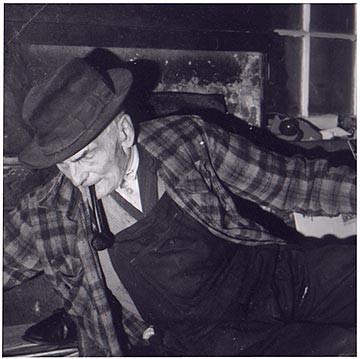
[(147, 181), (127, 206)]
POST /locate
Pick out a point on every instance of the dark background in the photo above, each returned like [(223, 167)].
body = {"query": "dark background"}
[(218, 27)]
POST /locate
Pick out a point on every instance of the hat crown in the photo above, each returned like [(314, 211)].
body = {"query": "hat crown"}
[(57, 96)]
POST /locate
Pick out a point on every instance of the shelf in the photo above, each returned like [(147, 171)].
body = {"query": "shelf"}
[(14, 345)]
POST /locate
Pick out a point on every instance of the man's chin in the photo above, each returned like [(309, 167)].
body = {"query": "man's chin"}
[(101, 190)]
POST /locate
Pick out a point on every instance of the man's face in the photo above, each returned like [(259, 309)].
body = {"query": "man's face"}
[(103, 161)]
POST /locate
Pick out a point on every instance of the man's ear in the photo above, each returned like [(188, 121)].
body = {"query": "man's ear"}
[(126, 130)]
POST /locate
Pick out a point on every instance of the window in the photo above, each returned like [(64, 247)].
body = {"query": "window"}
[(320, 48)]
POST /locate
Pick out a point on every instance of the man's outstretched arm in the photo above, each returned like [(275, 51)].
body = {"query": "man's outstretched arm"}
[(280, 182)]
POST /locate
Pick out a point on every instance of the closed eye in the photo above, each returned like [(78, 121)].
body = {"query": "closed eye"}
[(89, 155), (86, 156)]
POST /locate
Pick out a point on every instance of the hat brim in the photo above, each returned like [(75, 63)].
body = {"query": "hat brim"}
[(33, 156)]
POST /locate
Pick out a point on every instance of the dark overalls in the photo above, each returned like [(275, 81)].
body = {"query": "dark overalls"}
[(206, 296)]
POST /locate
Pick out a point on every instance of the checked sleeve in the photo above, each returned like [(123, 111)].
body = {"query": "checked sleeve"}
[(21, 259), (279, 182)]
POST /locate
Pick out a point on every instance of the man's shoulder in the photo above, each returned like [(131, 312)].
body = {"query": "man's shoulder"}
[(171, 127), (177, 142), (166, 121), (57, 194)]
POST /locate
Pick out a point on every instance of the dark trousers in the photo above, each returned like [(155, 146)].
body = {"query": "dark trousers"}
[(315, 311), (209, 297), (311, 312)]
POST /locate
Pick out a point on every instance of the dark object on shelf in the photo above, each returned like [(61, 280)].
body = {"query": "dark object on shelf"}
[(348, 123), (290, 127), (58, 329), (15, 346)]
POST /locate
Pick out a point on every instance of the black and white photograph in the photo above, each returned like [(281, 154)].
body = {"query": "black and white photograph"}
[(179, 179)]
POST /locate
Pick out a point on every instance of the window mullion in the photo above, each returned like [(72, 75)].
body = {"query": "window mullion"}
[(305, 61)]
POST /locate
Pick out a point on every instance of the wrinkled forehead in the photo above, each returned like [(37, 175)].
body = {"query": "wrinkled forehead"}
[(81, 153), (78, 154)]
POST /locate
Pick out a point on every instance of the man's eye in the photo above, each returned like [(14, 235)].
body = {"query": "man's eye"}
[(89, 156)]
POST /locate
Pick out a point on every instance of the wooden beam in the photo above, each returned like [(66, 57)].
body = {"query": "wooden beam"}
[(66, 34)]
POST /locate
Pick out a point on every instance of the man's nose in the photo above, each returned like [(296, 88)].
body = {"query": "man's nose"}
[(78, 175)]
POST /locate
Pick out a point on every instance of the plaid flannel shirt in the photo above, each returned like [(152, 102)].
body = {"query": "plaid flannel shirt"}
[(200, 164)]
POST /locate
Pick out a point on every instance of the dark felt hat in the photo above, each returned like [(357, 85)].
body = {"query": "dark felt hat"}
[(69, 109)]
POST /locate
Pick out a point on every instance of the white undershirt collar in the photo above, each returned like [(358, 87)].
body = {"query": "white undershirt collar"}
[(131, 172), (129, 188)]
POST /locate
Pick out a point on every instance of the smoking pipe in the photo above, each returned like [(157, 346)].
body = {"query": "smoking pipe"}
[(103, 238)]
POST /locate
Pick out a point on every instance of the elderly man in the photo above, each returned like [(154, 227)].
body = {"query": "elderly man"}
[(185, 274)]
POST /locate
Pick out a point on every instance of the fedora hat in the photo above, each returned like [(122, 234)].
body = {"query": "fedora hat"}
[(69, 109)]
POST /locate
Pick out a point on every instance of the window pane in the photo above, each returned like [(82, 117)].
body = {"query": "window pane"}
[(293, 49), (286, 16), (283, 86), (331, 76), (332, 18)]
